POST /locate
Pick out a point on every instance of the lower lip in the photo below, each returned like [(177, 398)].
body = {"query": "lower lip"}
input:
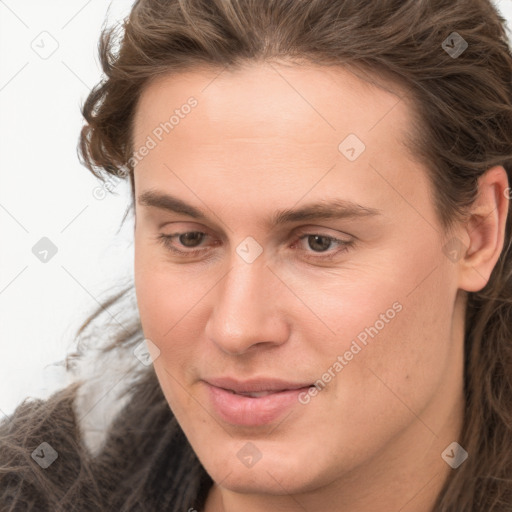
[(246, 411)]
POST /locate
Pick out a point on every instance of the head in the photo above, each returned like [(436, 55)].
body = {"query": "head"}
[(324, 206)]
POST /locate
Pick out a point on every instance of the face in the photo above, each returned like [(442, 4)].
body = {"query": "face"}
[(239, 276)]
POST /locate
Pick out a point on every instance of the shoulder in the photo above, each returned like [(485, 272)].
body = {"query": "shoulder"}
[(39, 449), (48, 446), (108, 441)]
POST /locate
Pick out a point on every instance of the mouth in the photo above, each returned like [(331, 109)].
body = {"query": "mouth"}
[(253, 408), (253, 395), (256, 385), (259, 394)]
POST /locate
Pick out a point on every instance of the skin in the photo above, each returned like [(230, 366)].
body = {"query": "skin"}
[(264, 138)]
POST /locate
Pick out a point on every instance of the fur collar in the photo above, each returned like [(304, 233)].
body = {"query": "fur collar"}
[(105, 380)]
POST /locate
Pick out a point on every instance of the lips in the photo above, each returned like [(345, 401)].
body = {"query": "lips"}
[(252, 403), (254, 395), (253, 386)]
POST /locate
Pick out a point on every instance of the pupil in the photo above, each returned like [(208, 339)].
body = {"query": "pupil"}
[(186, 237), (315, 238)]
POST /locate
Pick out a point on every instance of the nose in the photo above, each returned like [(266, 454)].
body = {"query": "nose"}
[(247, 308)]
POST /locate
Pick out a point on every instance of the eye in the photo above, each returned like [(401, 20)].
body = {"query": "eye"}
[(187, 239), (321, 243), (318, 242)]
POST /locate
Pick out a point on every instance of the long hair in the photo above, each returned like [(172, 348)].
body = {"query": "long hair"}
[(462, 107)]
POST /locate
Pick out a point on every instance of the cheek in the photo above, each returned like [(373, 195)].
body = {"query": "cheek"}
[(157, 294), (393, 332), (165, 303), (169, 304), (406, 359)]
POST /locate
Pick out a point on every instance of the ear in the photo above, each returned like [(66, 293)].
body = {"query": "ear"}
[(485, 230)]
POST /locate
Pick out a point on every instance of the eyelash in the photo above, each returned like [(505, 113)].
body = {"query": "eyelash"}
[(166, 240)]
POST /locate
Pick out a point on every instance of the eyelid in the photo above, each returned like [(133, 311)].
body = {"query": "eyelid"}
[(299, 235), (312, 230), (309, 229)]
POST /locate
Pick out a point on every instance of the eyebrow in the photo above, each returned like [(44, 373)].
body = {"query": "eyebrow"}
[(326, 209)]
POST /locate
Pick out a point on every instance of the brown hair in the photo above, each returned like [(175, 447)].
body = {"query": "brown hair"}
[(463, 126)]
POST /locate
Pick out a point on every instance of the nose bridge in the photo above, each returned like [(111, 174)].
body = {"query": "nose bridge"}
[(244, 312)]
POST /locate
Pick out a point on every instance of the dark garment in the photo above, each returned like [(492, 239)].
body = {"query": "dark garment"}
[(146, 463)]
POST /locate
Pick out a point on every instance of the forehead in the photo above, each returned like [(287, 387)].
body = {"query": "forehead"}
[(277, 129), (306, 103)]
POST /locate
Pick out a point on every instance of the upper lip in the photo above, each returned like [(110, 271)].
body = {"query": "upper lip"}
[(255, 385)]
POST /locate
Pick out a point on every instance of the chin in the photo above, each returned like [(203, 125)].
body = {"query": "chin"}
[(273, 475)]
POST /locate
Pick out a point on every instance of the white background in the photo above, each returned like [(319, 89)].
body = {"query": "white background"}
[(46, 192)]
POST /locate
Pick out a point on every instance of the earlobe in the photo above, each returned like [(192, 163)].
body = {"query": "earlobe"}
[(485, 230)]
